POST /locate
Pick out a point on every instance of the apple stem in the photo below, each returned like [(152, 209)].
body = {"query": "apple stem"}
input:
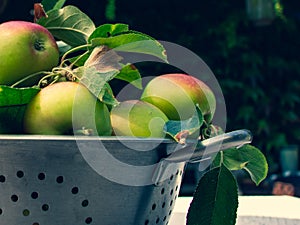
[(52, 74), (63, 58), (78, 58), (29, 77), (66, 72)]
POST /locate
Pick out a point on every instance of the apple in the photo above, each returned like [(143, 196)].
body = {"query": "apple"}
[(139, 119), (177, 94), (25, 48), (64, 107)]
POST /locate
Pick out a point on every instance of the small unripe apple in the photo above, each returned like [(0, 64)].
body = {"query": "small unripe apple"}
[(177, 95), (25, 48), (64, 107), (139, 119)]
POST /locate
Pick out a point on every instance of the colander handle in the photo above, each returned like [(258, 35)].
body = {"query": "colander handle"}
[(194, 152), (200, 151)]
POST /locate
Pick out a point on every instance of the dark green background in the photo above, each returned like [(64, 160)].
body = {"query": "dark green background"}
[(258, 68)]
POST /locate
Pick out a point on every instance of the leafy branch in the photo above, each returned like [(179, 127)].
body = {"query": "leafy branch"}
[(215, 200), (92, 55)]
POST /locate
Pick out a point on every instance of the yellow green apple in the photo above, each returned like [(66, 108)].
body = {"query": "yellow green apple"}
[(25, 48), (177, 94), (64, 107), (139, 119)]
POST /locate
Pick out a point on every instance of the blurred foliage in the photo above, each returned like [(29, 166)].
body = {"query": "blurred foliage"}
[(258, 67), (110, 10)]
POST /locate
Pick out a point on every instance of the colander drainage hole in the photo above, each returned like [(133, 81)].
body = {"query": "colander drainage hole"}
[(157, 220), (75, 190), (34, 195), (35, 224), (171, 177), (26, 212), (1, 211), (154, 206), (20, 174), (45, 207), (14, 198), (85, 203), (41, 176), (60, 179), (2, 179), (88, 220)]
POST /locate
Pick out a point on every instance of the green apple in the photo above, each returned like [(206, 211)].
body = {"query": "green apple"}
[(25, 48), (64, 107), (177, 94), (139, 119)]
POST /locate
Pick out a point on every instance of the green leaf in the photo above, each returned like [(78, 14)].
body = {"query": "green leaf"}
[(246, 157), (133, 42), (103, 65), (52, 4), (63, 47), (69, 25), (179, 130), (104, 30), (13, 102), (110, 10), (107, 96), (103, 59), (130, 74), (215, 200), (96, 81), (108, 30)]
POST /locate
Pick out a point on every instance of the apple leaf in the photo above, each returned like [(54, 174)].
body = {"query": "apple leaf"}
[(69, 25), (246, 157), (96, 82), (13, 102), (107, 96), (103, 59), (180, 130), (133, 42), (62, 47), (103, 65), (130, 74), (215, 200), (108, 30), (52, 4), (105, 30)]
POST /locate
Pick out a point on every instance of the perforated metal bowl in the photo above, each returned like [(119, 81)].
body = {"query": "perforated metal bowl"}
[(47, 180)]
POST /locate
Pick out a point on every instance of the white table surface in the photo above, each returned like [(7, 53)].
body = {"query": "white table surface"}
[(252, 210)]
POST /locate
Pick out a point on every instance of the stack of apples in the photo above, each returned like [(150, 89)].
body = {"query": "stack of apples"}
[(67, 106)]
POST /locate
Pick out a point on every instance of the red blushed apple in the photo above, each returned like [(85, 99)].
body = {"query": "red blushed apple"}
[(64, 107), (25, 48), (177, 94), (138, 119)]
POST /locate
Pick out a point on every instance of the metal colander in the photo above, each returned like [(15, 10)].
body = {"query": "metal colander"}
[(46, 180)]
